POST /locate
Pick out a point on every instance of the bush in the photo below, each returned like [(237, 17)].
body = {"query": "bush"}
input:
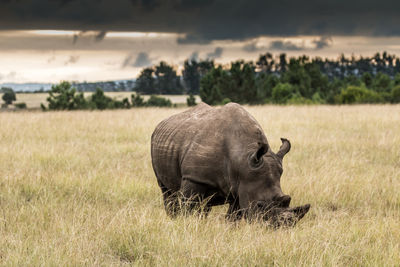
[(282, 92), (100, 101), (297, 99), (137, 100), (191, 100), (396, 94), (357, 94), (157, 101), (64, 97), (21, 105), (8, 95)]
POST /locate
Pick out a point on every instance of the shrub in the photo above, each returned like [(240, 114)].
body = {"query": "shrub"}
[(157, 101), (137, 100), (191, 100), (100, 101), (282, 92), (21, 105), (396, 94), (64, 96), (357, 94), (297, 99)]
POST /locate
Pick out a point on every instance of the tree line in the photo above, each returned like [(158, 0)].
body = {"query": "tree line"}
[(64, 96), (282, 80)]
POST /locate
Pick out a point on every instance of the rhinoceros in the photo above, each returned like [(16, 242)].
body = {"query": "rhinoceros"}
[(221, 155)]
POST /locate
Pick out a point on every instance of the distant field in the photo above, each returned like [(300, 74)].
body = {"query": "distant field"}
[(34, 100), (77, 188)]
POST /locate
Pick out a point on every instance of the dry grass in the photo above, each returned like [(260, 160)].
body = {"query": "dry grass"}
[(33, 100), (77, 188)]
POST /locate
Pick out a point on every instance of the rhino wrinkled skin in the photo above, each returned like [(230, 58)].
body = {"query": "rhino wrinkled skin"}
[(221, 155)]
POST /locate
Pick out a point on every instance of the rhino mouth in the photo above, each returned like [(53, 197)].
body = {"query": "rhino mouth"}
[(283, 216)]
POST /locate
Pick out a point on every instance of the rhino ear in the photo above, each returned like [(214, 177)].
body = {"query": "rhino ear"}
[(256, 158), (285, 148)]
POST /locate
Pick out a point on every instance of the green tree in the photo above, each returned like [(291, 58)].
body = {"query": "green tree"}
[(358, 94), (282, 92), (265, 83), (367, 79), (298, 77), (65, 97), (382, 83), (146, 82), (100, 101), (8, 95), (212, 84), (396, 94), (167, 81)]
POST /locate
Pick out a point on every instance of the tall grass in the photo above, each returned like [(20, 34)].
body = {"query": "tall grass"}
[(77, 188)]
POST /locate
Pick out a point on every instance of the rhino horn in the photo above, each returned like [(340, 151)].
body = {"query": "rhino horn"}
[(285, 148)]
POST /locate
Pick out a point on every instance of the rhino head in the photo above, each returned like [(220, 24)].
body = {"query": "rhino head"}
[(261, 195)]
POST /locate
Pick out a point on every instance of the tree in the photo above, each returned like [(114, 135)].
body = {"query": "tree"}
[(381, 83), (8, 95), (298, 77), (63, 96), (166, 80), (367, 79), (212, 84), (146, 82), (282, 92), (99, 101), (357, 94), (265, 83), (396, 94), (191, 76)]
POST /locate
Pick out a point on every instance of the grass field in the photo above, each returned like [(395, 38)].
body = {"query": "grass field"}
[(33, 101), (77, 188)]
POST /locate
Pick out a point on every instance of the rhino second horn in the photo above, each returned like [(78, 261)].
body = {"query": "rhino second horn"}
[(284, 149)]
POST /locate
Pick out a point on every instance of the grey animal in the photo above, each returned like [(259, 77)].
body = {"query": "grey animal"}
[(209, 156)]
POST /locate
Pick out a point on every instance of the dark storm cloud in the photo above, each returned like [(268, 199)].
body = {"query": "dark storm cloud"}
[(285, 46), (142, 60), (202, 21), (217, 53), (322, 42)]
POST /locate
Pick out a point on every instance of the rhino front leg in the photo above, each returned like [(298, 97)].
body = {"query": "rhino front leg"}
[(194, 197), (234, 213)]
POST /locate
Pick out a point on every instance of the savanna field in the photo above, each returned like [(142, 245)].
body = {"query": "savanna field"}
[(77, 188)]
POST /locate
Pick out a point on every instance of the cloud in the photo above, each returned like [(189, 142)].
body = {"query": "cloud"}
[(253, 47), (9, 76), (142, 60), (194, 56), (97, 36), (217, 53), (100, 36), (72, 59), (322, 42), (285, 46), (202, 22)]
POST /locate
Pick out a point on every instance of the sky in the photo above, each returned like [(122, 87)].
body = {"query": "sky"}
[(98, 40)]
